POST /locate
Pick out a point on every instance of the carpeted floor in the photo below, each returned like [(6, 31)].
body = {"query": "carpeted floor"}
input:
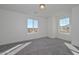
[(4, 48), (46, 46)]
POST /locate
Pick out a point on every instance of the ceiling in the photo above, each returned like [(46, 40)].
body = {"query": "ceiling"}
[(34, 10)]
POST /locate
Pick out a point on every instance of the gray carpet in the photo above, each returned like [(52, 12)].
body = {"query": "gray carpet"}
[(3, 48), (46, 46)]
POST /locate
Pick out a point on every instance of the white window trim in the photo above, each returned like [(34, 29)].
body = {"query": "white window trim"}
[(67, 33), (33, 28)]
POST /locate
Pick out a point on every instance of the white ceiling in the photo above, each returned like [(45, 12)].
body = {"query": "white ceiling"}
[(33, 9)]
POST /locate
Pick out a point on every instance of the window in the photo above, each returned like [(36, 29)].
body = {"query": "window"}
[(64, 25), (32, 25)]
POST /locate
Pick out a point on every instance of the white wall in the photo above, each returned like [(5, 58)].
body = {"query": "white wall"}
[(53, 25), (13, 27), (62, 35), (75, 26)]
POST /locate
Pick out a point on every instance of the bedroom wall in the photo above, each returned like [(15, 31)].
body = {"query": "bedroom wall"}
[(64, 35), (13, 27), (75, 26), (53, 25)]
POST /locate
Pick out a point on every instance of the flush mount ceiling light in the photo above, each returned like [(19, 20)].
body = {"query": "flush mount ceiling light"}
[(42, 6)]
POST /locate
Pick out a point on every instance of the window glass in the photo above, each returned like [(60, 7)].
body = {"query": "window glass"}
[(64, 25), (35, 23), (64, 21), (30, 23)]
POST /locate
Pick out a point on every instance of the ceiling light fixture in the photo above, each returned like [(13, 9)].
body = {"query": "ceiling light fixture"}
[(42, 6)]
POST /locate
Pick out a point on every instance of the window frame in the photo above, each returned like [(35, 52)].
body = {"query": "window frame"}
[(59, 27), (33, 26)]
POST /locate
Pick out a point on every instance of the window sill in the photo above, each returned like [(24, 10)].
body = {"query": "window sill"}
[(33, 33), (64, 33)]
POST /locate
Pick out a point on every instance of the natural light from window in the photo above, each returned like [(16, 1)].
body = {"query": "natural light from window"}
[(64, 21), (32, 25), (64, 25)]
